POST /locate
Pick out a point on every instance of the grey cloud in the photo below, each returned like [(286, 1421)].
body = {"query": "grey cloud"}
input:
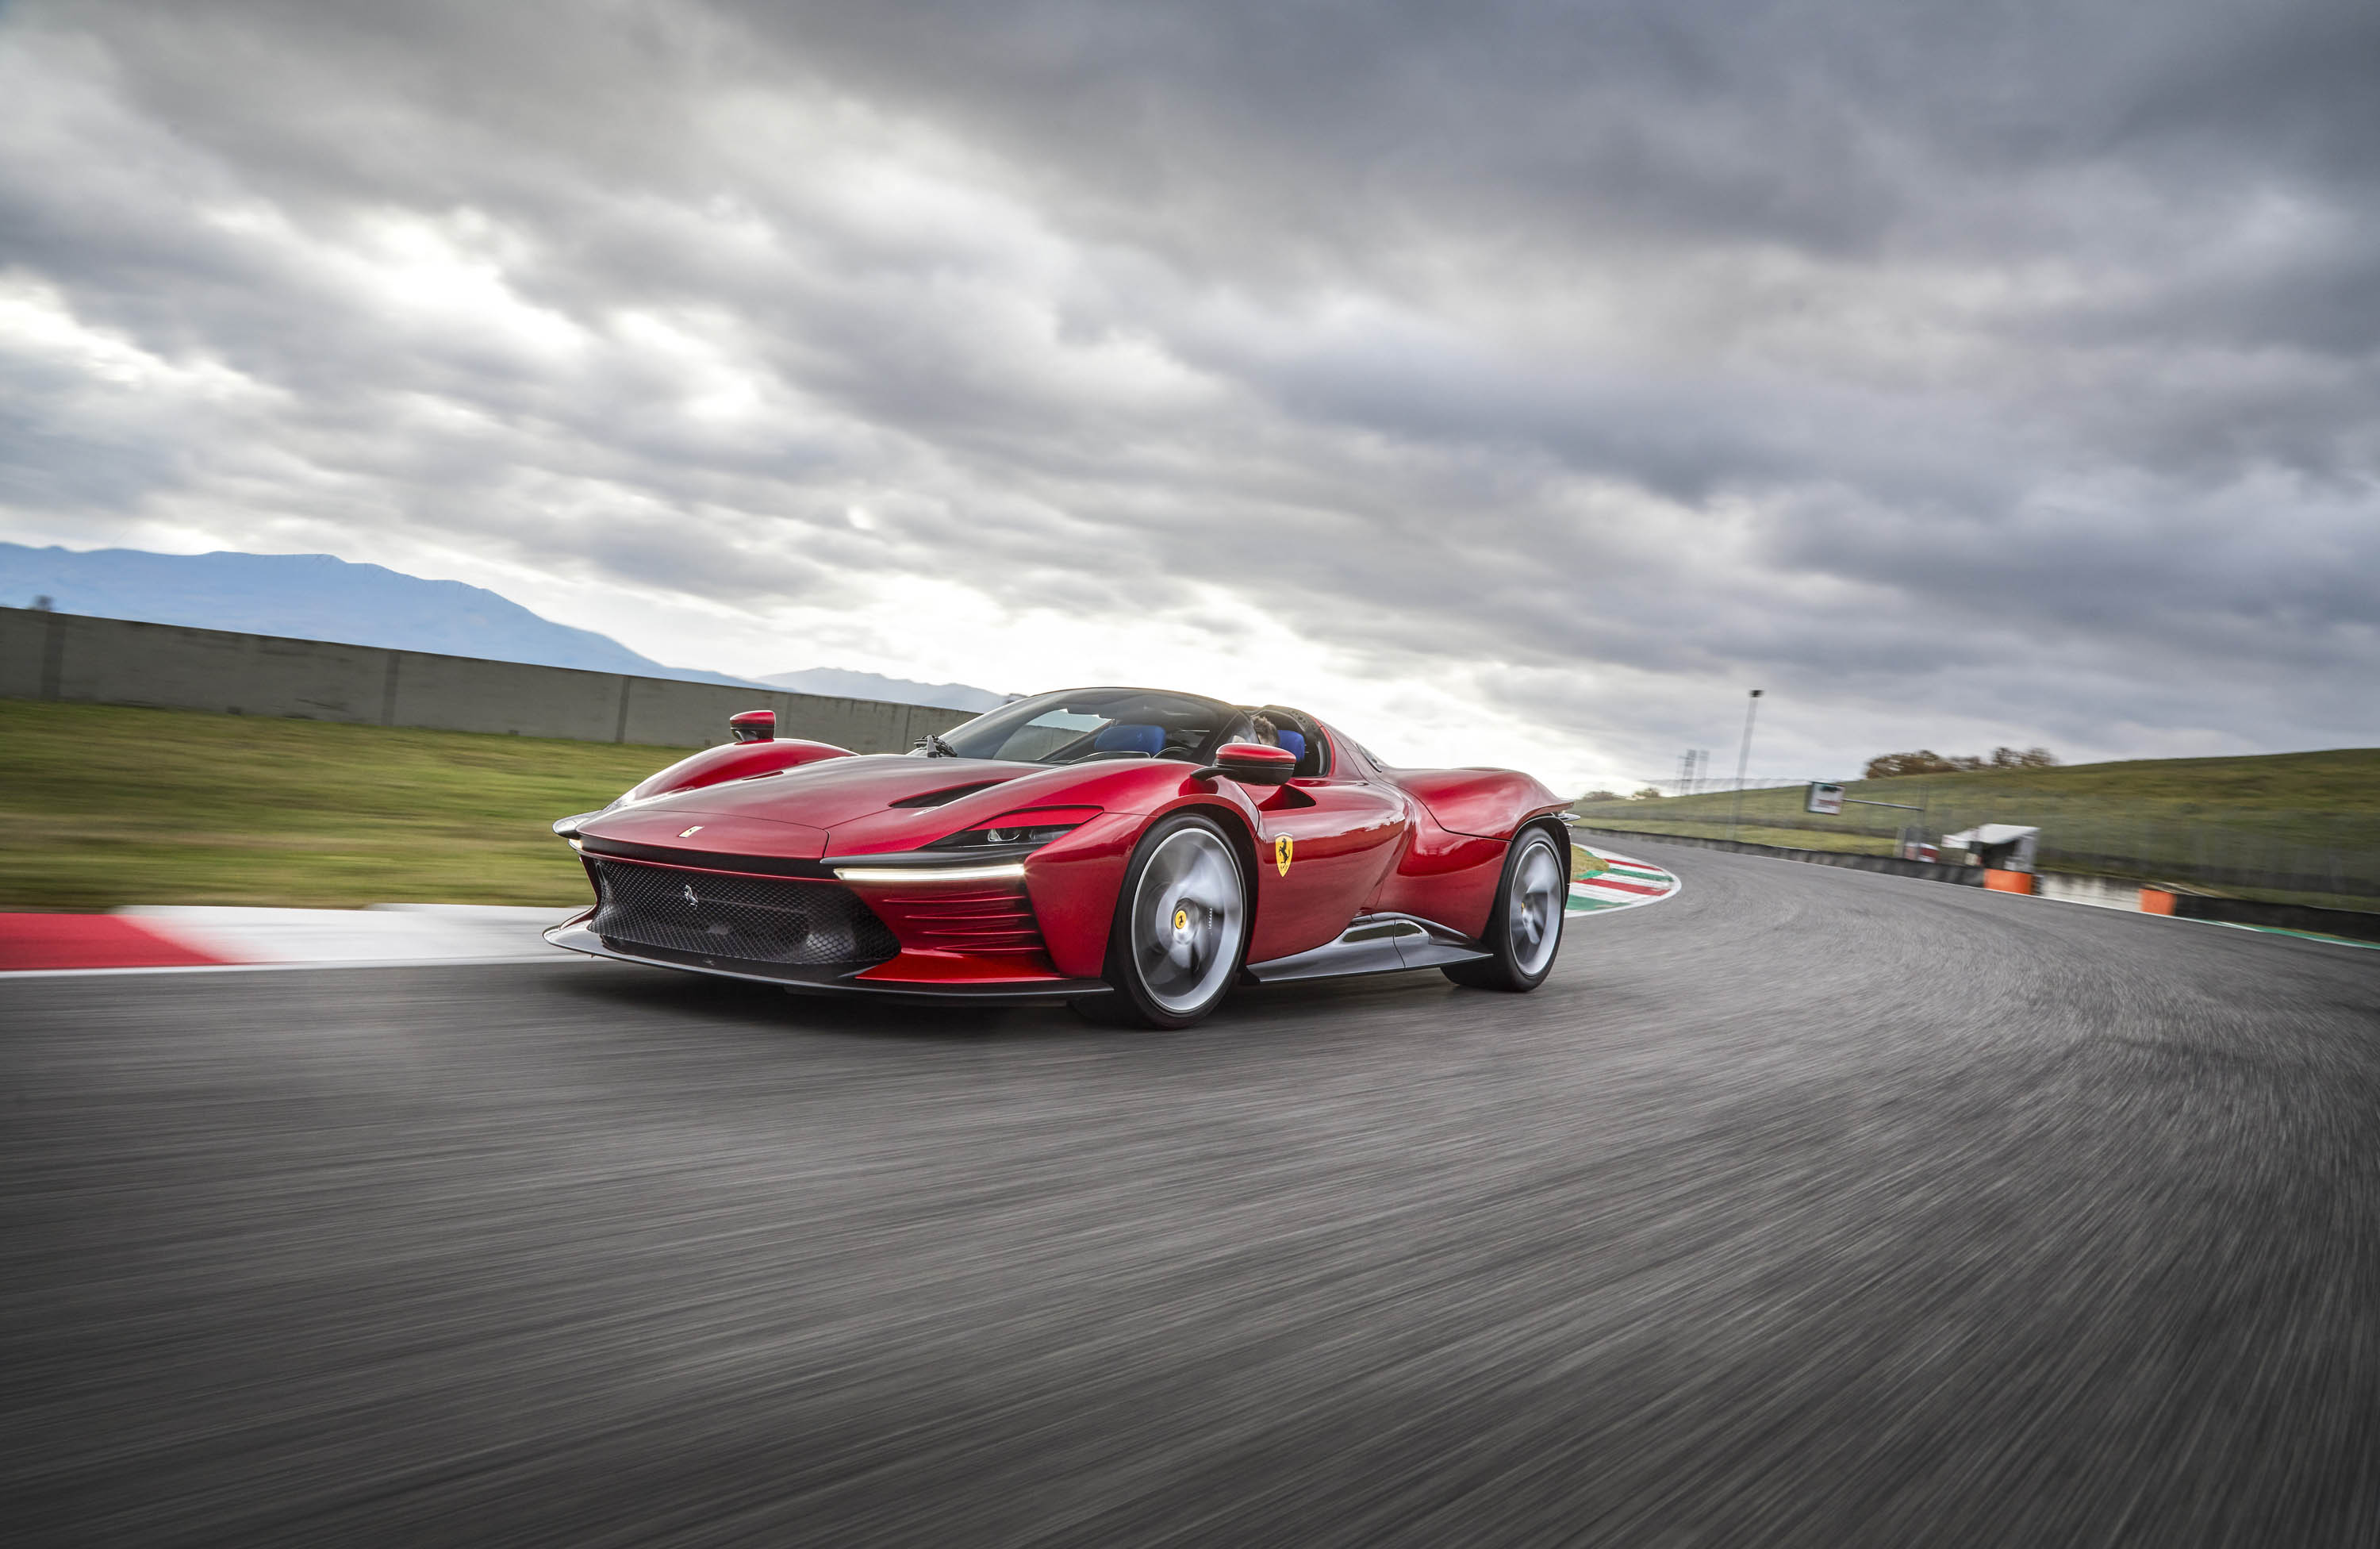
[(2017, 360)]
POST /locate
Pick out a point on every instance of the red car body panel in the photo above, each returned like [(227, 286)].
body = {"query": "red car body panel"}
[(1489, 803), (1359, 841), (735, 761), (669, 826), (1074, 883), (1448, 877), (1341, 845)]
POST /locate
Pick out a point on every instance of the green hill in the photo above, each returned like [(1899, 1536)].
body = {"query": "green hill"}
[(2304, 826)]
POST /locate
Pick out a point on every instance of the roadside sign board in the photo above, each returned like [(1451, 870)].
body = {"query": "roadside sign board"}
[(1825, 799)]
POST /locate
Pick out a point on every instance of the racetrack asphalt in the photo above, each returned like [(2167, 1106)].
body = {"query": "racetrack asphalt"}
[(1810, 1207)]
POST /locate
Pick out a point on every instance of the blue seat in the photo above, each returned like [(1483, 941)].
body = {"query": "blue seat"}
[(1128, 736), (1293, 741)]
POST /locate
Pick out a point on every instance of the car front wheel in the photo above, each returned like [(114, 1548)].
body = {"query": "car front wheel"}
[(1525, 931), (1180, 927)]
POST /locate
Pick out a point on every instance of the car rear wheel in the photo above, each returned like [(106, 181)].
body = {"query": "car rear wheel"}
[(1181, 927), (1525, 931)]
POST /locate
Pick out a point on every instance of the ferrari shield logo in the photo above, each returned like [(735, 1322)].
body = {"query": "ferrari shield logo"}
[(690, 832), (1283, 850)]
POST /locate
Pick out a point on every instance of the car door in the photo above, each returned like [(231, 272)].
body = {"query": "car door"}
[(1324, 842)]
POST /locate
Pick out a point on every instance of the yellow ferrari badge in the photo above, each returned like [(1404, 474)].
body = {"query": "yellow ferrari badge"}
[(1182, 920), (1282, 850)]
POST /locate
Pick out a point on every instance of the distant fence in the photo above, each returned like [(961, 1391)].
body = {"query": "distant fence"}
[(2326, 856), (1850, 861), (2354, 924), (1712, 785), (111, 661)]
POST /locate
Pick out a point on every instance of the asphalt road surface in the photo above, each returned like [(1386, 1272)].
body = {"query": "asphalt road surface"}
[(1811, 1207)]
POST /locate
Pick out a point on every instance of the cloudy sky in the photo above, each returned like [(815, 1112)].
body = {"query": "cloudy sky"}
[(1511, 383)]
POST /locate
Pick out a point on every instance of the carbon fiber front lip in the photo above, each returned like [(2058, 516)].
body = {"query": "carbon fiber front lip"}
[(572, 935)]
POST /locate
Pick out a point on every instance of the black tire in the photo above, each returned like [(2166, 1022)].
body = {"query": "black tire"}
[(1525, 929), (1180, 936)]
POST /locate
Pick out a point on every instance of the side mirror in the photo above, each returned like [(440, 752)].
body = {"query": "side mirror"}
[(754, 726), (1251, 763)]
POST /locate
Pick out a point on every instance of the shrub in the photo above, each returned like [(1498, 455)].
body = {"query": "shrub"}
[(1925, 761)]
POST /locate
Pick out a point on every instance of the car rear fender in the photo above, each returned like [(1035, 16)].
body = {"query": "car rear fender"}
[(1488, 803)]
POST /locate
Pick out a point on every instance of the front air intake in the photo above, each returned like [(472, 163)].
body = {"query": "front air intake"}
[(980, 918), (755, 919)]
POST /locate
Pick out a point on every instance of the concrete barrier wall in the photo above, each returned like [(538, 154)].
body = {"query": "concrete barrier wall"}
[(2099, 892), (2355, 924), (111, 660)]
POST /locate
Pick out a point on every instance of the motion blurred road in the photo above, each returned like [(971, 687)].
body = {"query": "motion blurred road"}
[(1811, 1207)]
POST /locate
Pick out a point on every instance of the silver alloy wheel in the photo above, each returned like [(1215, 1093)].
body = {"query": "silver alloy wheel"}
[(1186, 919), (1532, 912)]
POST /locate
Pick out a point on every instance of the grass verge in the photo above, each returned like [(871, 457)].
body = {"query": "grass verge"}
[(101, 806)]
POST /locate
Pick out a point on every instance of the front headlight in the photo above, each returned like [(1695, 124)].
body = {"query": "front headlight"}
[(1000, 841), (1004, 838)]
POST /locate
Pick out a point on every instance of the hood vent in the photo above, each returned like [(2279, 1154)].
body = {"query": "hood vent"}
[(944, 797)]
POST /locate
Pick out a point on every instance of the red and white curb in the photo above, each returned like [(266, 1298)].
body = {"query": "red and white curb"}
[(181, 938), (1612, 881)]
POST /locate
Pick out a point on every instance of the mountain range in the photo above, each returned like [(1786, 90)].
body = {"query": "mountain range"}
[(318, 596), (839, 683)]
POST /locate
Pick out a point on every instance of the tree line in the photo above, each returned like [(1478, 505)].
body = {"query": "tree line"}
[(1925, 761)]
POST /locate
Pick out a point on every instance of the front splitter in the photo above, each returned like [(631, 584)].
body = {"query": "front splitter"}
[(572, 935)]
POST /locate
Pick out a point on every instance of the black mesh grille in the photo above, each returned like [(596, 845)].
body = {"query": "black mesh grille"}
[(758, 919)]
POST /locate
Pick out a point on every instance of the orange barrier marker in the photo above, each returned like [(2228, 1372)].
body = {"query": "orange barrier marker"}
[(2009, 882), (2156, 900)]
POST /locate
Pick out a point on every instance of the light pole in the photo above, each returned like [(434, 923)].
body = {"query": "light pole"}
[(1742, 762)]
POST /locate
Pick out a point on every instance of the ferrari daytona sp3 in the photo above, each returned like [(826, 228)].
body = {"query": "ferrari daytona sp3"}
[(1133, 851)]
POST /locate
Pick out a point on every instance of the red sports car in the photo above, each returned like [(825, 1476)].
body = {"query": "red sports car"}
[(1133, 851)]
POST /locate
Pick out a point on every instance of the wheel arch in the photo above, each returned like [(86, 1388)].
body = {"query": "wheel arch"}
[(1131, 995), (1076, 901), (1234, 824), (1501, 969), (1553, 825)]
